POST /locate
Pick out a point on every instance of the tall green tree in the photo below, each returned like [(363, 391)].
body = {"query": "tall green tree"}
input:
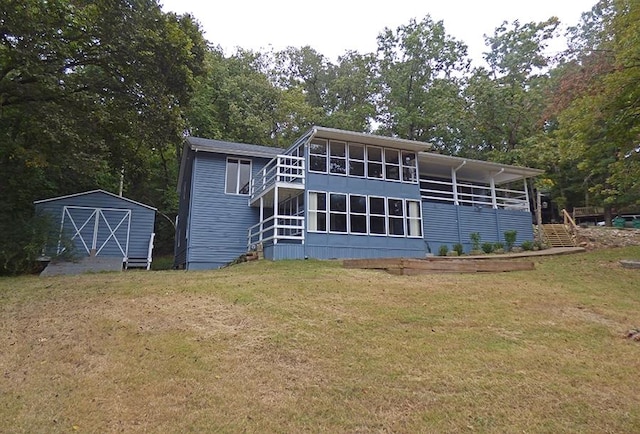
[(507, 98), (88, 89), (420, 67)]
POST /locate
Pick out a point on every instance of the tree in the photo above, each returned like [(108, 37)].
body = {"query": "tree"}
[(507, 99), (419, 74), (89, 89)]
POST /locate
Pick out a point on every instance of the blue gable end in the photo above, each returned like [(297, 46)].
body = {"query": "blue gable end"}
[(111, 225), (218, 222)]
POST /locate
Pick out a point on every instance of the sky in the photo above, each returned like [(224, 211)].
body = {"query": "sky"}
[(332, 27)]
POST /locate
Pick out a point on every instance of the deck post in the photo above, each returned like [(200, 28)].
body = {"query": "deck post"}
[(526, 193), (261, 219), (275, 214), (454, 186), (494, 200)]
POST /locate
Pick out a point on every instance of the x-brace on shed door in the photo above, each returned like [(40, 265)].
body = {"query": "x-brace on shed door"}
[(102, 230)]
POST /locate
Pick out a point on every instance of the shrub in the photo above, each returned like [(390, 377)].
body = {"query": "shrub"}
[(443, 250), (510, 239), (459, 248), (527, 245), (475, 240), (487, 247), (498, 245)]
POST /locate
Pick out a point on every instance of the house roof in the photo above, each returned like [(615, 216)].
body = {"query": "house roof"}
[(84, 193), (437, 164), (220, 146), (369, 139)]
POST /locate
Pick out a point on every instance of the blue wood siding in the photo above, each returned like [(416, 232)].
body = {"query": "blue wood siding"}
[(349, 184), (140, 230), (450, 224), (218, 222)]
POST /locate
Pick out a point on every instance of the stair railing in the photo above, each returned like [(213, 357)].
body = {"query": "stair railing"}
[(568, 220)]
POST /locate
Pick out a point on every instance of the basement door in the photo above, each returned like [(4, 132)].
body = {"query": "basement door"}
[(104, 231)]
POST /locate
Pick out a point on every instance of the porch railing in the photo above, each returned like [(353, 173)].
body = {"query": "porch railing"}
[(282, 168), (473, 195), (277, 228)]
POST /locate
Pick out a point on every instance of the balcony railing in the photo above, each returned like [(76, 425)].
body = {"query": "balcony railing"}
[(282, 169), (468, 194), (277, 228)]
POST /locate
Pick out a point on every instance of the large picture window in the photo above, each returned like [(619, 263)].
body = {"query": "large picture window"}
[(238, 179), (317, 220)]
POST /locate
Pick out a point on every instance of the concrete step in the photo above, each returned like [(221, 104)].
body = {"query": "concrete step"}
[(88, 264)]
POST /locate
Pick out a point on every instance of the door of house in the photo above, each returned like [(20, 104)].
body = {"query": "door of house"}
[(97, 231)]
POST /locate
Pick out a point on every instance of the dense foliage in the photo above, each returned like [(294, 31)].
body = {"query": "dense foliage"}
[(98, 93)]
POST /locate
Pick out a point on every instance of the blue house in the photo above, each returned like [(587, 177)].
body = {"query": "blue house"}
[(340, 194), (103, 224)]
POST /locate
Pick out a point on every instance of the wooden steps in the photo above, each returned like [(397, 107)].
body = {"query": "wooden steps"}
[(557, 235)]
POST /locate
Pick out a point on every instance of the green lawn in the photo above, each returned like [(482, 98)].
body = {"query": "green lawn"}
[(297, 346)]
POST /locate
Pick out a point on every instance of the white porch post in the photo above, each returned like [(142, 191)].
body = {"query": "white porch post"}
[(526, 194), (454, 182), (275, 214), (261, 218), (494, 200), (454, 186)]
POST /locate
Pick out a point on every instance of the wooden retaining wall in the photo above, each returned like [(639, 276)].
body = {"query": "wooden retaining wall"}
[(405, 266)]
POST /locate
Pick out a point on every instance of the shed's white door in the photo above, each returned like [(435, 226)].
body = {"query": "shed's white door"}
[(102, 230)]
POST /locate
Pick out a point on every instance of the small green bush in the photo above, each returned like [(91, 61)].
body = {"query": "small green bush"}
[(475, 240), (498, 245), (527, 245), (487, 247), (443, 250), (510, 239), (459, 248)]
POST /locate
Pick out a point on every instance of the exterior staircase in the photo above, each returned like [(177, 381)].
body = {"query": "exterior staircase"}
[(557, 235)]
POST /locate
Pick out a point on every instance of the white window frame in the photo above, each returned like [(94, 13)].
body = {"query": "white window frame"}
[(325, 155), (343, 159), (364, 214), (345, 213), (381, 163), (314, 212), (410, 219), (396, 217), (414, 167), (363, 160), (383, 215), (388, 164), (238, 186)]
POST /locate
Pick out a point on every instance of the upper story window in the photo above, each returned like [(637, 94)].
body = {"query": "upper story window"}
[(318, 155), (353, 159), (338, 157), (374, 162), (356, 160), (409, 168), (238, 179), (392, 164)]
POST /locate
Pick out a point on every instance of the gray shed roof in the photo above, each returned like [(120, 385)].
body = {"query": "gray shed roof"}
[(210, 145)]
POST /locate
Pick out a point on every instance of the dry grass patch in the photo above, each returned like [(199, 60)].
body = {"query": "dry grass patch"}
[(308, 346)]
